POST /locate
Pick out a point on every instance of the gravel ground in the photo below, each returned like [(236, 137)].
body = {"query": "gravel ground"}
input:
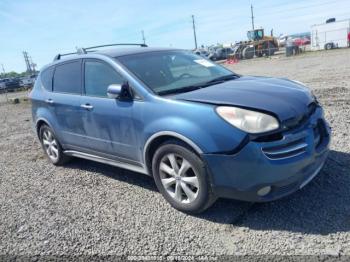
[(7, 97), (87, 208)]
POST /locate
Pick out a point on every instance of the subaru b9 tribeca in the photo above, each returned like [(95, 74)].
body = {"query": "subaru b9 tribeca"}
[(200, 130)]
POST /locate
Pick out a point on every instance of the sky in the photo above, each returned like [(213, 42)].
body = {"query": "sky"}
[(44, 28)]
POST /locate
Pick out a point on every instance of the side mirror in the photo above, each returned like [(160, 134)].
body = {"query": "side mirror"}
[(121, 92), (114, 91)]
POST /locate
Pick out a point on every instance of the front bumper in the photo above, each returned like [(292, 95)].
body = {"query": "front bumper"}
[(285, 165)]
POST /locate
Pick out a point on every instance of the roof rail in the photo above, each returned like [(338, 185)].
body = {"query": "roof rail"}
[(82, 50), (93, 47), (58, 56)]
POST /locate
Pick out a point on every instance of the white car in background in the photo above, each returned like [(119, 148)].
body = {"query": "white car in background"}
[(28, 81), (282, 39)]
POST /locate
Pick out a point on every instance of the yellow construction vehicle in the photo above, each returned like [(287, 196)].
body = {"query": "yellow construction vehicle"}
[(258, 44)]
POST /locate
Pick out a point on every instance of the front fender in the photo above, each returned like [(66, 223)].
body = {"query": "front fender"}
[(197, 122), (183, 129)]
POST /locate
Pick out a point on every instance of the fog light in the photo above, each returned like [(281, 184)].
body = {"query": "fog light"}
[(264, 191)]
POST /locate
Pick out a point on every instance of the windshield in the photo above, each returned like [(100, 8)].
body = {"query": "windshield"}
[(171, 71), (255, 35)]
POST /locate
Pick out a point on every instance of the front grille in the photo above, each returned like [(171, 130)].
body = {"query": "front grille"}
[(298, 146), (269, 138), (283, 190), (287, 150)]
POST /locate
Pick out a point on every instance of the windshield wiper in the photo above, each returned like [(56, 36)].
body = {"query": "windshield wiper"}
[(223, 78), (200, 85), (180, 90)]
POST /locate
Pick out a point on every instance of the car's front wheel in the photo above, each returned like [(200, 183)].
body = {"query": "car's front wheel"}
[(181, 177), (51, 146)]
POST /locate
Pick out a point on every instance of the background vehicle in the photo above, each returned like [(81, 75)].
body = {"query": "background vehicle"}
[(13, 84), (201, 52), (258, 44), (220, 53), (282, 40), (3, 83), (301, 41), (27, 81), (330, 35)]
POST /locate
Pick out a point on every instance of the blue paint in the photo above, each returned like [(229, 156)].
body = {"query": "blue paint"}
[(122, 128)]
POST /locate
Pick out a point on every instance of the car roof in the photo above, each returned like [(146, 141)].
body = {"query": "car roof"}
[(116, 52), (113, 53)]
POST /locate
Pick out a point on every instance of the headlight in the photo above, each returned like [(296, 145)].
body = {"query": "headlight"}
[(247, 120)]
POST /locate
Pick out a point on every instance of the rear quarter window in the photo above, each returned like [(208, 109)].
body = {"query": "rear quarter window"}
[(46, 78), (67, 78)]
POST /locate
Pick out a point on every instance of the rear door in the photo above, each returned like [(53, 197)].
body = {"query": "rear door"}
[(65, 103)]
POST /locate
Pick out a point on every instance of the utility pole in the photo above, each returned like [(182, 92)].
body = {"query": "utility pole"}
[(3, 69), (194, 32), (252, 12), (143, 37)]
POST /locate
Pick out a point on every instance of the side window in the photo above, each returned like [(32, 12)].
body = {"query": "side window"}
[(98, 76), (67, 78), (46, 78)]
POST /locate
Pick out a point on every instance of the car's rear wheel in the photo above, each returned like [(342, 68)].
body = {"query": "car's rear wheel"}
[(51, 146), (181, 177)]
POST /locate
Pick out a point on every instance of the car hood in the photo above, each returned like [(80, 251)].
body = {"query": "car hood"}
[(281, 97)]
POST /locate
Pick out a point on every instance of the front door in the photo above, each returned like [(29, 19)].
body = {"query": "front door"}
[(108, 123)]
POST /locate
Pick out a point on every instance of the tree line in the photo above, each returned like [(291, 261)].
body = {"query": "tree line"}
[(12, 74)]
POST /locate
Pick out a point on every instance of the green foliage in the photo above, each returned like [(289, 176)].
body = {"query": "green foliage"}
[(12, 74)]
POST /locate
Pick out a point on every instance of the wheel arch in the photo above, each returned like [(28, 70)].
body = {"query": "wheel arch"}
[(154, 141), (38, 124)]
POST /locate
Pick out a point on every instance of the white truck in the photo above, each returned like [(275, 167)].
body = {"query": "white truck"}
[(330, 35)]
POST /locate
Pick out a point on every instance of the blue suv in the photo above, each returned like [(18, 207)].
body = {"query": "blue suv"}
[(200, 130)]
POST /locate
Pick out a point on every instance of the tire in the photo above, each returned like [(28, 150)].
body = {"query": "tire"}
[(329, 46), (248, 52), (170, 183), (51, 146)]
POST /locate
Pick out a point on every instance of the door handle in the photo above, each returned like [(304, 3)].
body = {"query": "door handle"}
[(87, 106), (49, 101)]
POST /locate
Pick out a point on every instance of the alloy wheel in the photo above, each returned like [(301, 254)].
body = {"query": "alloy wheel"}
[(179, 178), (50, 145)]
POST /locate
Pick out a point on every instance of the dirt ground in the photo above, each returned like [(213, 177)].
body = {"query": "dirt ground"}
[(88, 209)]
